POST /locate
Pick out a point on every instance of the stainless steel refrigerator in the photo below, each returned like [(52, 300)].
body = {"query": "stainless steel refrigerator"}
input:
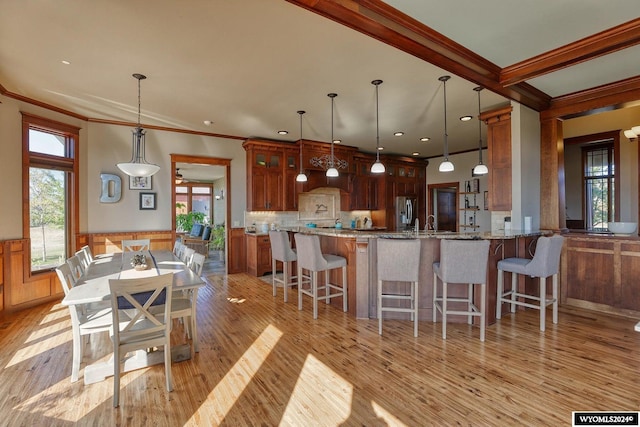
[(406, 212)]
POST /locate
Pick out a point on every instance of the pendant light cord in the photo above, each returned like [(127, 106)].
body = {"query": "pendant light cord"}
[(377, 123), (332, 103), (478, 89), (446, 144), (301, 113)]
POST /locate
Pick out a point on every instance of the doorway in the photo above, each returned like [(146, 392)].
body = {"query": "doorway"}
[(443, 205), (203, 184)]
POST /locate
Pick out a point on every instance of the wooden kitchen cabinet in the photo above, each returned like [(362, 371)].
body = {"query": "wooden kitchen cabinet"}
[(266, 165), (364, 192), (499, 157), (258, 254)]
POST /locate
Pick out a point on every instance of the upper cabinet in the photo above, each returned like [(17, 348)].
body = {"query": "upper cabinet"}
[(265, 175), (499, 157)]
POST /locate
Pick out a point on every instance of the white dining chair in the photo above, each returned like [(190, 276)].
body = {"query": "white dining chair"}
[(87, 251), (135, 326), (85, 320), (187, 253), (197, 263), (136, 245), (76, 266)]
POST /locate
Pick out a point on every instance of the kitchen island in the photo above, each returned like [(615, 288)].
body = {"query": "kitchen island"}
[(360, 250)]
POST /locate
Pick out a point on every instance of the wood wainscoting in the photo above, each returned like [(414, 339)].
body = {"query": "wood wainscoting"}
[(19, 289), (601, 273)]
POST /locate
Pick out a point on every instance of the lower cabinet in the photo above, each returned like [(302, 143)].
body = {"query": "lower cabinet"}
[(258, 254)]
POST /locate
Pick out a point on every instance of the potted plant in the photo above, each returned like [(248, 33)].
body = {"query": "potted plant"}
[(217, 239), (185, 221)]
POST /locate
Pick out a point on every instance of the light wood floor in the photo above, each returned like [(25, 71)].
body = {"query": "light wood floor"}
[(263, 362)]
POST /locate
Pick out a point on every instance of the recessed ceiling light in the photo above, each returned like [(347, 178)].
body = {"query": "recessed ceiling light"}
[(208, 122), (415, 153), (465, 118), (425, 139), (283, 132), (398, 133), (65, 62), (380, 148), (337, 141)]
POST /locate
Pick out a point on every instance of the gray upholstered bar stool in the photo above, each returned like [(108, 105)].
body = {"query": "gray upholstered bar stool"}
[(398, 260), (281, 251), (461, 262), (545, 263), (311, 258)]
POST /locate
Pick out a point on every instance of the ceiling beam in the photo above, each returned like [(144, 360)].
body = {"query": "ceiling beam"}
[(596, 45), (388, 25)]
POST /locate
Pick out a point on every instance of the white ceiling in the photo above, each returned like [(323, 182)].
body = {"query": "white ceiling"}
[(249, 65)]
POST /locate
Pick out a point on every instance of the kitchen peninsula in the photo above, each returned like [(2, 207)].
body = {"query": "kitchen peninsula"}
[(360, 250)]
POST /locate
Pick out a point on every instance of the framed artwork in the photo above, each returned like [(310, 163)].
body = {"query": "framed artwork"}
[(139, 183), (486, 200), (147, 201)]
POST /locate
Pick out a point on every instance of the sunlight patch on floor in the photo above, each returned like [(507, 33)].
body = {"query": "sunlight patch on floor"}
[(230, 388), (41, 340), (320, 397), (388, 418)]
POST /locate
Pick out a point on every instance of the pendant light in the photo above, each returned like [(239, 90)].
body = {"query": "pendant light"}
[(332, 172), (301, 176), (377, 167), (480, 168), (446, 165), (138, 165)]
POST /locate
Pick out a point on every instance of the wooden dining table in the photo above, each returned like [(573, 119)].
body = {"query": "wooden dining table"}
[(93, 287)]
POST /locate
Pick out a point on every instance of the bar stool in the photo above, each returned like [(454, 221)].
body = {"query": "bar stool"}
[(461, 262), (398, 260), (311, 258), (545, 263), (281, 251)]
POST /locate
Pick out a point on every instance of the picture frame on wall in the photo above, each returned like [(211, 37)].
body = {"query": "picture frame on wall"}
[(475, 185), (147, 201), (486, 200), (139, 183)]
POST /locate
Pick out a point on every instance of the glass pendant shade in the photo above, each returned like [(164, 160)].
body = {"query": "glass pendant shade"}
[(332, 172), (446, 165), (377, 166), (301, 176), (138, 165), (480, 168)]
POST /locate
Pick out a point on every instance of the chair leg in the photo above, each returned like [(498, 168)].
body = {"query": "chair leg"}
[(285, 277), (167, 367), (273, 275), (414, 302), (314, 291), (500, 292), (543, 300), (194, 323), (116, 377), (327, 290), (483, 310), (469, 303), (345, 295), (514, 287), (379, 307), (555, 298), (299, 287), (435, 289), (444, 310), (77, 354)]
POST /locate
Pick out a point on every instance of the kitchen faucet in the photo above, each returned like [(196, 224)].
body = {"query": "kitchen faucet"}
[(431, 223)]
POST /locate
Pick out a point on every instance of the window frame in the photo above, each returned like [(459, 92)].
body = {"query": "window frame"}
[(593, 139), (70, 163)]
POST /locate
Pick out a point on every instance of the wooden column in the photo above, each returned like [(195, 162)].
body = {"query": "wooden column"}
[(552, 197)]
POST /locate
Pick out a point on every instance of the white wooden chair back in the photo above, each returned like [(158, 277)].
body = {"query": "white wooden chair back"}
[(136, 245)]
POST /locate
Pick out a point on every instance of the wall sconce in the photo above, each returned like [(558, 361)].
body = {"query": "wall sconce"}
[(220, 196), (632, 133)]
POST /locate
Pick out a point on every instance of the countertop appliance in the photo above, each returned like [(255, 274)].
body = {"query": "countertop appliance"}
[(406, 212)]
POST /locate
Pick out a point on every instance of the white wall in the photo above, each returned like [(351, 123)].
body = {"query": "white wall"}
[(110, 144), (101, 147), (525, 166), (463, 164)]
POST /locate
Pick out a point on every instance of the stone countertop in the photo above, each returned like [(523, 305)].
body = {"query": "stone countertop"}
[(372, 234)]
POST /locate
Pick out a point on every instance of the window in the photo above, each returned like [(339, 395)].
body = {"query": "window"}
[(194, 197), (50, 182), (599, 185)]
